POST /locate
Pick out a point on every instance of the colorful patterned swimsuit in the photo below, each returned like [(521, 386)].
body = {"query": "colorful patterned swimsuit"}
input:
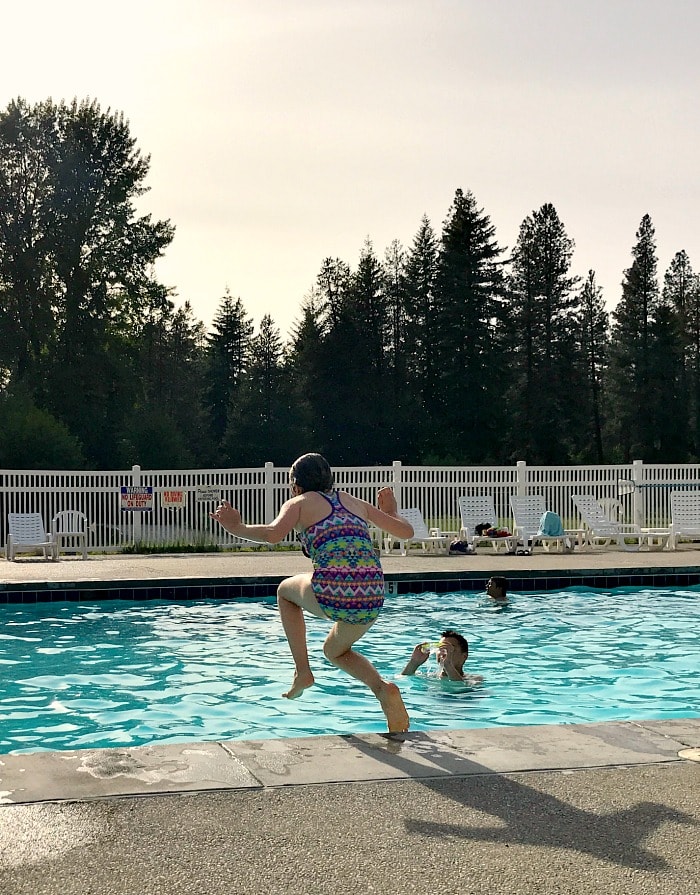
[(347, 581)]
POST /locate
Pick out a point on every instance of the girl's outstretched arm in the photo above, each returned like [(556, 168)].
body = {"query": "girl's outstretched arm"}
[(273, 533)]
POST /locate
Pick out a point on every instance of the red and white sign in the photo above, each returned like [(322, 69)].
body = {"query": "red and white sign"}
[(136, 497), (173, 498)]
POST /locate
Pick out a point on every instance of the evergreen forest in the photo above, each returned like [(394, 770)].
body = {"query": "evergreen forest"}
[(447, 351)]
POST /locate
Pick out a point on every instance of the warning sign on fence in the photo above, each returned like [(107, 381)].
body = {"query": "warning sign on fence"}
[(173, 498), (136, 497), (206, 492)]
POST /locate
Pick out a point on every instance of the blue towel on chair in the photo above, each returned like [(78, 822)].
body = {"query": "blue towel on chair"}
[(551, 525)]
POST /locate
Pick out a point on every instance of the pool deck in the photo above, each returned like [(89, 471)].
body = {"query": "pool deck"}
[(274, 565), (586, 808)]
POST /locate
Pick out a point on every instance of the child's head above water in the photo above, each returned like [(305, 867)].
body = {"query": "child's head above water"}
[(461, 642), (311, 472), (496, 588)]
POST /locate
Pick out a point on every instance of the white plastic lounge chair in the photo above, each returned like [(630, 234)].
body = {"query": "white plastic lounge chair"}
[(69, 531), (527, 512), (685, 517), (475, 510), (26, 533), (613, 509), (603, 531), (431, 539)]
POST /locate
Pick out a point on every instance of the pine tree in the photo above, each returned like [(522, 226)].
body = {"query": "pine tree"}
[(633, 392), (305, 371), (334, 363), (461, 332), (368, 307), (593, 332), (228, 351), (395, 291), (404, 402), (543, 308), (421, 272), (682, 292), (261, 413), (669, 441), (332, 285), (355, 348), (169, 426)]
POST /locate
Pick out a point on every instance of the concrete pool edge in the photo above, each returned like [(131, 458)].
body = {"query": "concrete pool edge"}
[(258, 764), (232, 587)]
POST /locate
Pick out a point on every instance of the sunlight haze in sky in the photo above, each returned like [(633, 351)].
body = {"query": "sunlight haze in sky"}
[(282, 133)]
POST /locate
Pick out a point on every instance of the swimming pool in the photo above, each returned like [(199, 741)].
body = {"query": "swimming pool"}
[(118, 673)]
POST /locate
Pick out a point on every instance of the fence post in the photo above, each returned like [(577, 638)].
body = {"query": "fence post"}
[(396, 482), (136, 514), (521, 476), (269, 492), (638, 497)]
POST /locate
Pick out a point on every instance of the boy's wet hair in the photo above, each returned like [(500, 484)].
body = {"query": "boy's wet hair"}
[(462, 641), (311, 472), (500, 582)]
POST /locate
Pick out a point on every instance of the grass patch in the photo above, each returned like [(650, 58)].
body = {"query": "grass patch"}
[(139, 548), (177, 547)]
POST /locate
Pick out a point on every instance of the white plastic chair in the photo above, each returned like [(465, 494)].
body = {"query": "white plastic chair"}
[(474, 511), (527, 512), (26, 533), (685, 517), (69, 529), (432, 540), (603, 531), (613, 508)]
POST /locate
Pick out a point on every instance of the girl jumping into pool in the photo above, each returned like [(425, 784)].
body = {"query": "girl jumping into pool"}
[(347, 584)]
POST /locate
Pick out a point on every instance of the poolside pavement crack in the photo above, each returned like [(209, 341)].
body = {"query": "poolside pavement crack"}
[(232, 755), (680, 739)]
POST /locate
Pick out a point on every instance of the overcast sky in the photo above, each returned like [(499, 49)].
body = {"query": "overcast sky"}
[(282, 132)]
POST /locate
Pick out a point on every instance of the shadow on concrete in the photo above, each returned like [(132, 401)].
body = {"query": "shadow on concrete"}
[(528, 816)]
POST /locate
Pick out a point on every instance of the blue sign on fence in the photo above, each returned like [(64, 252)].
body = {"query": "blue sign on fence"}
[(136, 497)]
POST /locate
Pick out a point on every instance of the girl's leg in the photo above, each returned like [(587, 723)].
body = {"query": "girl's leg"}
[(337, 649), (293, 596)]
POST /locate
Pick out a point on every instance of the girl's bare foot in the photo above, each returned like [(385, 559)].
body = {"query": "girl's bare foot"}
[(392, 705), (302, 681)]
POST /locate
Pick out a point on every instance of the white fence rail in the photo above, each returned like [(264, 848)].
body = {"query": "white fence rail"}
[(642, 491)]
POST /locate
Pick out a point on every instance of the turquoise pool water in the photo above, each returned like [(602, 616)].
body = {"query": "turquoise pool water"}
[(121, 674)]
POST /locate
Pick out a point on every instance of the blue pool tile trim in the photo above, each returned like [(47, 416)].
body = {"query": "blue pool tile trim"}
[(170, 590)]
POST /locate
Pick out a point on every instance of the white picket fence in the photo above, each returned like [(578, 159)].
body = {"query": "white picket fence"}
[(259, 493)]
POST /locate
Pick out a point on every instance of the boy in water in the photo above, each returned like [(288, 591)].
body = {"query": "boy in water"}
[(347, 583), (452, 653), (496, 589)]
